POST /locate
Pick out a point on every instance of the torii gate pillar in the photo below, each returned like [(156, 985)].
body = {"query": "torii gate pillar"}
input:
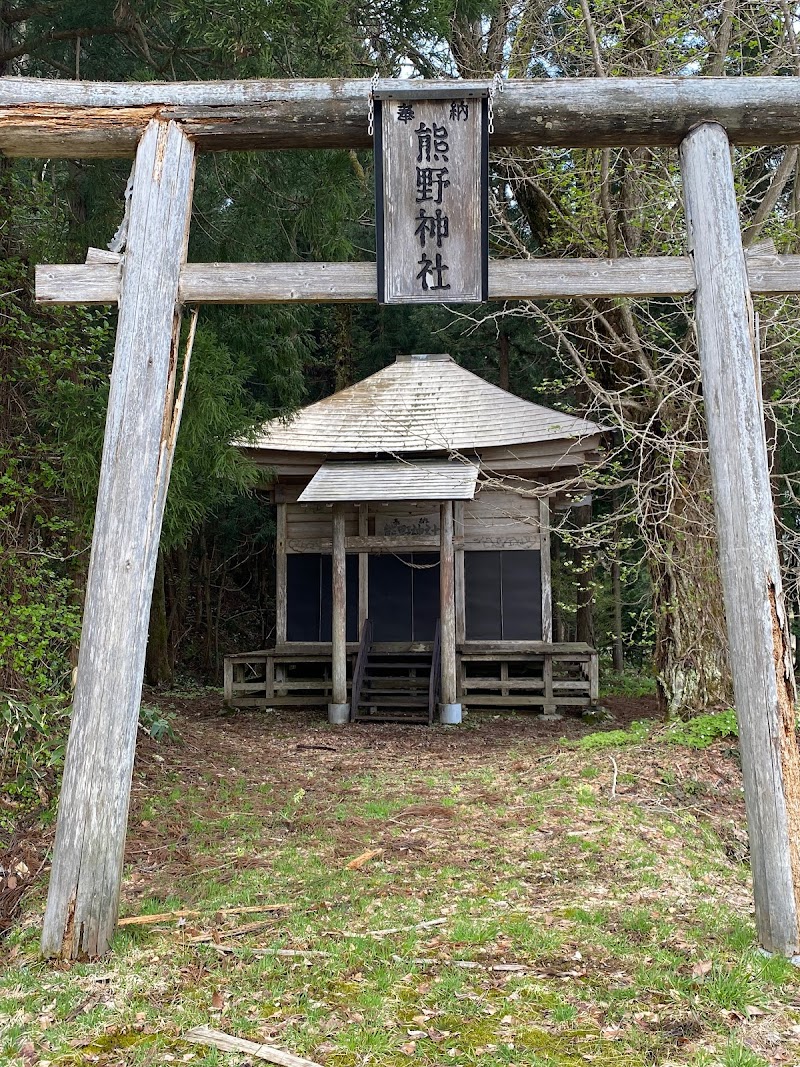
[(141, 427), (760, 650)]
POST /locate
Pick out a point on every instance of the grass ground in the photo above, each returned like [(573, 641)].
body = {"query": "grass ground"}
[(544, 897)]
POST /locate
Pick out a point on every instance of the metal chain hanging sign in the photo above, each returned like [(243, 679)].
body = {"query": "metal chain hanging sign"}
[(431, 176)]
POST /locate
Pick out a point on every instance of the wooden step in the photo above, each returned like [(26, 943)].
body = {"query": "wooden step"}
[(425, 665), (396, 683), (387, 700)]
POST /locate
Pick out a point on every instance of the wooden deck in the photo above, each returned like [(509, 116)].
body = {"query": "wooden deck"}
[(509, 674)]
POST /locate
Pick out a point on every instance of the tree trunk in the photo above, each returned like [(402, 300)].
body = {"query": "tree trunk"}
[(617, 652), (584, 614), (556, 571), (691, 647), (157, 666)]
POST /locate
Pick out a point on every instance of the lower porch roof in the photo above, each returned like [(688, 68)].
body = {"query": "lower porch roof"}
[(383, 480)]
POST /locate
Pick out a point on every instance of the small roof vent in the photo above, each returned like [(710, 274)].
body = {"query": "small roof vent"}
[(424, 357)]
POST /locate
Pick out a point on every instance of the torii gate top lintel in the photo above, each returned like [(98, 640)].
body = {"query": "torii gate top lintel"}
[(64, 119)]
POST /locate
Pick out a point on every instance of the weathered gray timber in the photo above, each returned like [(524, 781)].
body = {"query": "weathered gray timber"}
[(447, 605), (280, 574), (137, 455), (511, 279), (338, 710), (761, 658), (544, 557), (64, 119)]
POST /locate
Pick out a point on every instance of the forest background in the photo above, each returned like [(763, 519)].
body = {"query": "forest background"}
[(636, 570)]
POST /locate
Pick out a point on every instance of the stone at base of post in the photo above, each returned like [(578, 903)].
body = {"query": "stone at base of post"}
[(450, 714), (338, 714)]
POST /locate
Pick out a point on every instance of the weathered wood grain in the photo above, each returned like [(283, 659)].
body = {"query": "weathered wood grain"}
[(511, 279), (546, 570), (339, 608), (64, 119), (760, 652), (447, 604), (205, 1035), (281, 539), (432, 243), (137, 456)]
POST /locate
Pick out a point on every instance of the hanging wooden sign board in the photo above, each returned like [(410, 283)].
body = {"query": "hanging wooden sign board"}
[(431, 175)]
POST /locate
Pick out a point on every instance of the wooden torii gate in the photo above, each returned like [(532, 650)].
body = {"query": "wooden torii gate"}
[(164, 125)]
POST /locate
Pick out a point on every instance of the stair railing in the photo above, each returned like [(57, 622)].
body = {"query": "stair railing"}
[(360, 667), (436, 673)]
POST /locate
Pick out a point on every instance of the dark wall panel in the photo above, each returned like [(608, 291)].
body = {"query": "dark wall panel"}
[(482, 577), (503, 596), (522, 596), (302, 597), (309, 597)]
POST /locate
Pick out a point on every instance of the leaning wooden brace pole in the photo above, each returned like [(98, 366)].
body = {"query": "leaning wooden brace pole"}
[(760, 654), (141, 425)]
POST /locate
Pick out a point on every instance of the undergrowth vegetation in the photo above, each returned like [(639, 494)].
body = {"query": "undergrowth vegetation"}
[(392, 897)]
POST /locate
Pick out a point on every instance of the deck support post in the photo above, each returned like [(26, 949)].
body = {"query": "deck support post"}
[(760, 651), (140, 433), (363, 568), (280, 575), (449, 709), (546, 569), (339, 709)]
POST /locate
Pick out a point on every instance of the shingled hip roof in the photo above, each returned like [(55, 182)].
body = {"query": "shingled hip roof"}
[(419, 404)]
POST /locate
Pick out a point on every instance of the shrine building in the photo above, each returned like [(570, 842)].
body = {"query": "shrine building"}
[(413, 551)]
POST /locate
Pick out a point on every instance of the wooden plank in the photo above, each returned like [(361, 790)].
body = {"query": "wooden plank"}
[(362, 544), (594, 678), (561, 650), (68, 119), (339, 609), (503, 684), (447, 607), (288, 686), (141, 427), (546, 570), (281, 548), (269, 283), (760, 649), (523, 700), (205, 1035), (509, 279)]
